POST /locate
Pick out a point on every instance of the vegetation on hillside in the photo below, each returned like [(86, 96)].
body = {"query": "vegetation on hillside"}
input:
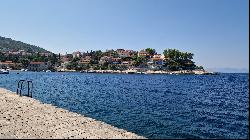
[(7, 44)]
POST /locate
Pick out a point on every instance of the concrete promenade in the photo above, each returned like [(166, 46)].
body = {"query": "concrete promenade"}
[(24, 117)]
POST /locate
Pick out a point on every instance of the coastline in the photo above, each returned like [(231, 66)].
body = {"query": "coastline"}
[(134, 71), (24, 117)]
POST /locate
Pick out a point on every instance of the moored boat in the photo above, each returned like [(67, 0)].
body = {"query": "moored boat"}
[(3, 71), (91, 71)]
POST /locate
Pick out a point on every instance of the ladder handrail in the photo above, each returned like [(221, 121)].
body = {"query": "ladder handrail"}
[(29, 88), (20, 87)]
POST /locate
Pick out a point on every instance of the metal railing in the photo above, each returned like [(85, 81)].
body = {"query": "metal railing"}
[(20, 87)]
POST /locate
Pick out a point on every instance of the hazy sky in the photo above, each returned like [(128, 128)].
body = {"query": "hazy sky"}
[(216, 31)]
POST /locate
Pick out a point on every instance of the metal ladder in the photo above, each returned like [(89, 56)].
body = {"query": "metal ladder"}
[(20, 87)]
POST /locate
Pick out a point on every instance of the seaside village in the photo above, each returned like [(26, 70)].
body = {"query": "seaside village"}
[(145, 61)]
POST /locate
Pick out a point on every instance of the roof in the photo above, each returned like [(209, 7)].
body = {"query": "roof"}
[(143, 51), (36, 62), (7, 63)]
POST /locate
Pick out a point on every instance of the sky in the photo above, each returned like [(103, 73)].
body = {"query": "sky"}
[(216, 31)]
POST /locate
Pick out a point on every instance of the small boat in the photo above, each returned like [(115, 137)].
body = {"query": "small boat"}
[(140, 72), (2, 71), (131, 72), (48, 71), (91, 71)]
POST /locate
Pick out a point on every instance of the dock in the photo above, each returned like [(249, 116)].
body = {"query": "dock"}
[(27, 118)]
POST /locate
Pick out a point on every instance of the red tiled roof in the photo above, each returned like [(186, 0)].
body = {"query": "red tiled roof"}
[(36, 62), (7, 63)]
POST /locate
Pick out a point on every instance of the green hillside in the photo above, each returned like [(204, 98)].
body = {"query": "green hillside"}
[(7, 44)]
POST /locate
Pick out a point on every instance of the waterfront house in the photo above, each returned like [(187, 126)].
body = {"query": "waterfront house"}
[(10, 64), (131, 53), (122, 53), (105, 59), (67, 57), (76, 54), (157, 59), (143, 53), (6, 64), (110, 53), (64, 65), (38, 66), (85, 60), (23, 53), (158, 56), (120, 50), (156, 62), (116, 60), (125, 53), (128, 63), (45, 54), (15, 53)]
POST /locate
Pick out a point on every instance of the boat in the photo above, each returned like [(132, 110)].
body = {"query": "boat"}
[(83, 71), (2, 71), (140, 72), (48, 71), (131, 71), (91, 71), (210, 73)]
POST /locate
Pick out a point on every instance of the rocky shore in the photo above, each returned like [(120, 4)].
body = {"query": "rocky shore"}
[(24, 117), (134, 71)]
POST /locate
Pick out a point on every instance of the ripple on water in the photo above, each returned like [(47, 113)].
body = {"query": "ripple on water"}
[(155, 106)]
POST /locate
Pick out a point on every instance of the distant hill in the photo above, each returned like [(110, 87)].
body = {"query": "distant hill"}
[(7, 44), (229, 70)]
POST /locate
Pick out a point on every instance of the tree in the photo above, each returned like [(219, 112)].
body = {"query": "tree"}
[(151, 51), (98, 54), (104, 66), (176, 60), (127, 58), (76, 59), (2, 57), (172, 54), (199, 67), (53, 59), (140, 60), (25, 62)]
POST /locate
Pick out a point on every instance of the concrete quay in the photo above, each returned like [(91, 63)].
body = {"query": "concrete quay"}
[(27, 118)]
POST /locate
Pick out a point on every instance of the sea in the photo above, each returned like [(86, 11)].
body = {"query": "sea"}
[(151, 105)]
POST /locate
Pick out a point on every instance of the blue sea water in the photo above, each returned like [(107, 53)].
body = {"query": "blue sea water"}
[(154, 106)]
